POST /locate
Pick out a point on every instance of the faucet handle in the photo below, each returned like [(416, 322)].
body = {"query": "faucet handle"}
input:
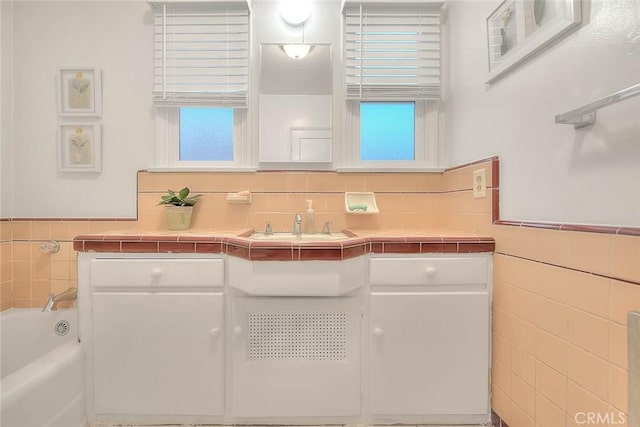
[(325, 228), (267, 228)]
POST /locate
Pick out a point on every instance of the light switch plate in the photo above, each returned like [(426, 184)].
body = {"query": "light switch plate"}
[(479, 183)]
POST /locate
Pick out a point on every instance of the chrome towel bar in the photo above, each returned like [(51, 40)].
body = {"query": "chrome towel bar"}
[(586, 115)]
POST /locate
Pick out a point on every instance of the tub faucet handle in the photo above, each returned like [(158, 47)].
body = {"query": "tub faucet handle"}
[(50, 247)]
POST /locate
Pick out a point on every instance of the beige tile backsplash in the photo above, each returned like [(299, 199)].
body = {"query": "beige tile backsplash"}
[(406, 201)]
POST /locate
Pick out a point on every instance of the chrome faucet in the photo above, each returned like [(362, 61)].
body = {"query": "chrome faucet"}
[(297, 225), (325, 228), (54, 299)]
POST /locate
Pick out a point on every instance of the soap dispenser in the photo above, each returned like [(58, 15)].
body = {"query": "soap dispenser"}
[(310, 223)]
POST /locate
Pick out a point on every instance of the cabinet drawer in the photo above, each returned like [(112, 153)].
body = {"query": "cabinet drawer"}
[(157, 273), (428, 271)]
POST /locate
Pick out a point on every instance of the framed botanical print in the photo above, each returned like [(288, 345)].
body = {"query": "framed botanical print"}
[(79, 147), (79, 92), (519, 29)]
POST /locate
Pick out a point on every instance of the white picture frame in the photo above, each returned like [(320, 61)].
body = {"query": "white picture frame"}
[(80, 147), (79, 92), (519, 29)]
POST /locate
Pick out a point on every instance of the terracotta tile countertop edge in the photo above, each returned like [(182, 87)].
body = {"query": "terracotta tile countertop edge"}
[(241, 245)]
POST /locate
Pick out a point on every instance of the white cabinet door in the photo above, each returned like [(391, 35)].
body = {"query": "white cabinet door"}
[(429, 353), (158, 353)]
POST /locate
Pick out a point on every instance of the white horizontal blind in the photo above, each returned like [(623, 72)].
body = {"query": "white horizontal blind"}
[(201, 55), (392, 53)]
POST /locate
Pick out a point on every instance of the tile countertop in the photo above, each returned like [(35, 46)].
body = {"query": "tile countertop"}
[(237, 243)]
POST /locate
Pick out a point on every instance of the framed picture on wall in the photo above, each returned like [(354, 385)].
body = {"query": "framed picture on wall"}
[(519, 29), (79, 147), (79, 92)]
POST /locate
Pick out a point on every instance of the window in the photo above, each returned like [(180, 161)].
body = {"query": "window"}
[(391, 135), (200, 84), (387, 131), (206, 134), (202, 138), (392, 75)]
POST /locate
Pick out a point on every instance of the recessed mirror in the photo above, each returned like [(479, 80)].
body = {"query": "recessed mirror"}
[(295, 116)]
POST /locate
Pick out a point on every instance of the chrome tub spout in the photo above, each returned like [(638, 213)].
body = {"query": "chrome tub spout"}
[(54, 299)]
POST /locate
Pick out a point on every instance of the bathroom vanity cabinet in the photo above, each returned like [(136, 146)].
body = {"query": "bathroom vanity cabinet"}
[(197, 338)]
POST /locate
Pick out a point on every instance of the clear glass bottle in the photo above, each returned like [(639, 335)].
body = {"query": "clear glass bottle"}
[(310, 224)]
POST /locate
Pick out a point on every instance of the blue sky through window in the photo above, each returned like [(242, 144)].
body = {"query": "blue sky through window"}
[(387, 131), (206, 134)]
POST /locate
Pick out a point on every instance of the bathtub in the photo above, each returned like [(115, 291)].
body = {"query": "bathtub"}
[(42, 380)]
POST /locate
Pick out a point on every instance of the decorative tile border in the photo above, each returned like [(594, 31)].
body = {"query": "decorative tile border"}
[(68, 219), (604, 229), (242, 247), (475, 162), (496, 421)]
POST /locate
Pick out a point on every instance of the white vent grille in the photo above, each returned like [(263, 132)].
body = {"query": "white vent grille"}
[(300, 336)]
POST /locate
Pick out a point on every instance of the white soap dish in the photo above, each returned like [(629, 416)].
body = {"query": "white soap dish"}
[(360, 203), (240, 197)]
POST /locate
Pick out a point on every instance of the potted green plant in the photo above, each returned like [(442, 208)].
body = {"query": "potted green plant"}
[(179, 208)]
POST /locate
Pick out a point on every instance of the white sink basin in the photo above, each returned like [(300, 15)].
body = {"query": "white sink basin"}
[(304, 237)]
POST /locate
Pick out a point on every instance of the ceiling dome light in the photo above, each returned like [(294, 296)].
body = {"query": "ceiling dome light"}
[(295, 12), (297, 51)]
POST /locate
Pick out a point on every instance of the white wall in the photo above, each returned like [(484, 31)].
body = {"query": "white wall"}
[(115, 37), (552, 172), (6, 100)]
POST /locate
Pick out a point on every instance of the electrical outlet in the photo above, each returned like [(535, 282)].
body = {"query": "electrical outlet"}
[(479, 183)]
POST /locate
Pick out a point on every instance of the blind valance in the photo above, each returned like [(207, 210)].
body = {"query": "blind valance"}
[(392, 52), (201, 54)]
